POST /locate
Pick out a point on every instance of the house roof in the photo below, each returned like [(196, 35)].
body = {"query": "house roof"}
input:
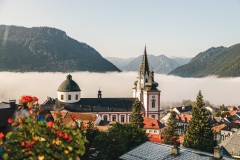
[(157, 151), (232, 143), (230, 126), (218, 128), (94, 105), (84, 117), (151, 123), (185, 117), (184, 109)]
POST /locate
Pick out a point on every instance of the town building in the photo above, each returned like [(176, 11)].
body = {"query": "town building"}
[(110, 109)]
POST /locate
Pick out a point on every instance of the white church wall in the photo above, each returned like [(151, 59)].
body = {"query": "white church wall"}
[(69, 97)]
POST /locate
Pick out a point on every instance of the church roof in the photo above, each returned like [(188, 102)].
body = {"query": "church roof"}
[(144, 66), (94, 105), (68, 85)]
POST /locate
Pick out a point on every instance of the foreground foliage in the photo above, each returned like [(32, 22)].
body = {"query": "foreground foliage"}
[(120, 139), (32, 138)]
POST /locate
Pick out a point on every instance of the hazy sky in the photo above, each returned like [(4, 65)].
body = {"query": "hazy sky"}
[(121, 28), (173, 89)]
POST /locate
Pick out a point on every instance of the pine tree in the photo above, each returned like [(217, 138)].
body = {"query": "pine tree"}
[(199, 134), (170, 134), (136, 117)]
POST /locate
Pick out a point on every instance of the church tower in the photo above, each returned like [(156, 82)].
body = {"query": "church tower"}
[(146, 91)]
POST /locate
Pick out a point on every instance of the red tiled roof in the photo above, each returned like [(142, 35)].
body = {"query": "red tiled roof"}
[(185, 117), (218, 128), (151, 123), (155, 138)]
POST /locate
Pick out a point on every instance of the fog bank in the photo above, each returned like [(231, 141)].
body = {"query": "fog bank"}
[(173, 89)]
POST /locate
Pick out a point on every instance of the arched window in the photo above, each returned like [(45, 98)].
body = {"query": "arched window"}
[(61, 96), (122, 118), (105, 118), (76, 97), (114, 118)]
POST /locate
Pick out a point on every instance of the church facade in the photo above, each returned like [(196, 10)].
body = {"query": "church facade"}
[(110, 109)]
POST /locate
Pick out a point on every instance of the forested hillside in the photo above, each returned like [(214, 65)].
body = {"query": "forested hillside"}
[(47, 49), (219, 61)]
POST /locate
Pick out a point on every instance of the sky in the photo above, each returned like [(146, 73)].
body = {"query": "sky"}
[(173, 89), (122, 28)]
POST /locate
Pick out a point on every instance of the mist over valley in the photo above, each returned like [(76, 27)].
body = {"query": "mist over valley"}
[(114, 84)]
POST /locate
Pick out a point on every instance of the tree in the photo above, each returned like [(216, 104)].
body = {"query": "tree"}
[(170, 134), (90, 132), (136, 117), (199, 134), (119, 139)]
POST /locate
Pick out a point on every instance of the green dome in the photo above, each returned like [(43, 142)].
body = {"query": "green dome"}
[(68, 85)]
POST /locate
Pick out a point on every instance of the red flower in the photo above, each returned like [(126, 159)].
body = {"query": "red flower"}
[(74, 117), (50, 124), (34, 141), (66, 136), (22, 101), (23, 144), (28, 98), (30, 112), (1, 135), (59, 133), (10, 120), (35, 99), (69, 139), (28, 144)]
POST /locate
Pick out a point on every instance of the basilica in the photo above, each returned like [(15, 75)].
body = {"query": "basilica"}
[(110, 109)]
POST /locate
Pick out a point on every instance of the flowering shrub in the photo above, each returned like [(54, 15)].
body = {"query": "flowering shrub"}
[(34, 139)]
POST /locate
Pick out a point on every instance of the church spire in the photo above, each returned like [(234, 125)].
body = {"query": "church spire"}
[(144, 66)]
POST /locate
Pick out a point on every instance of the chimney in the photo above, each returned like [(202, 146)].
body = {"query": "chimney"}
[(218, 153), (99, 95), (12, 103), (175, 150)]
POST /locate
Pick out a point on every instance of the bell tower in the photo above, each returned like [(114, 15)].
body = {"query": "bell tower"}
[(145, 89)]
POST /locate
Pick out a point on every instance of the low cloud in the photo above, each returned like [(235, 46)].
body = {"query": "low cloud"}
[(173, 89)]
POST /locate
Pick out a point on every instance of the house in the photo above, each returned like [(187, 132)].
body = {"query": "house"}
[(229, 129), (110, 109), (217, 131), (158, 151), (183, 121), (232, 144), (154, 129), (81, 119)]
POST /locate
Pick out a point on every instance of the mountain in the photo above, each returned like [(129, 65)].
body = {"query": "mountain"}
[(160, 64), (45, 49), (119, 62), (219, 61)]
